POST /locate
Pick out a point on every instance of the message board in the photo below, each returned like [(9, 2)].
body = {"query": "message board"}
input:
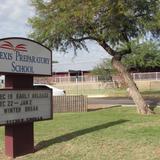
[(19, 106), (24, 56)]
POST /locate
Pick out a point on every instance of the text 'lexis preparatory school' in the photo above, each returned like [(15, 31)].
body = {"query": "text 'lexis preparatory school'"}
[(21, 57)]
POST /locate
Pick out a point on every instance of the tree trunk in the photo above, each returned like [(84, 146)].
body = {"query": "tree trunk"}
[(142, 107)]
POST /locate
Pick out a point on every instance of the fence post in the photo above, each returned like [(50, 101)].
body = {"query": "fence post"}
[(134, 76), (77, 85), (156, 76)]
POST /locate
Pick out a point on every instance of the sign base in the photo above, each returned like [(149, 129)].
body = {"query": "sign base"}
[(19, 139)]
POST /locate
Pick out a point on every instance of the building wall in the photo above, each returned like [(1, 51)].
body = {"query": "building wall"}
[(60, 77)]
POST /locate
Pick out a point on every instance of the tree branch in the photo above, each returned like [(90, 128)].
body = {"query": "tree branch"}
[(128, 50), (101, 43), (107, 48), (82, 39), (124, 52)]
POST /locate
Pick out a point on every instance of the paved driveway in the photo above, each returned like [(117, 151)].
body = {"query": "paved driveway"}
[(106, 102)]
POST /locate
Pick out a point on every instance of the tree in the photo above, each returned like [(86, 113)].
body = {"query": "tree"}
[(144, 57), (104, 70), (60, 24)]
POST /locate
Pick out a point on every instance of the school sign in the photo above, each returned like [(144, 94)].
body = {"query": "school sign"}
[(21, 106), (20, 102), (24, 56)]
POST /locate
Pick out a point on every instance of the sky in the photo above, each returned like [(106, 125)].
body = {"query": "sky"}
[(13, 18)]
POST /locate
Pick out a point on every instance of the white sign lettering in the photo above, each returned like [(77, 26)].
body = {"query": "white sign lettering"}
[(24, 56), (18, 106)]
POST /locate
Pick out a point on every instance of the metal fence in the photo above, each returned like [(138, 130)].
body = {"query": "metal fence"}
[(146, 76), (98, 78), (77, 79), (93, 78), (70, 103), (70, 79)]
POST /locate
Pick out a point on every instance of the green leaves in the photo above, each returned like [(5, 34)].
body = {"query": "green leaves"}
[(104, 70), (60, 24), (144, 56)]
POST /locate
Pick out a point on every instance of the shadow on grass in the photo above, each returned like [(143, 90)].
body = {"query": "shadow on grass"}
[(151, 91), (72, 135), (100, 108), (153, 104)]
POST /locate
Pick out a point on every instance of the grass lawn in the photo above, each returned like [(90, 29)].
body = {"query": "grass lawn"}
[(151, 93), (108, 134), (116, 92), (109, 92)]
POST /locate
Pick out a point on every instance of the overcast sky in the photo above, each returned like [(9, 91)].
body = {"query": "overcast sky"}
[(13, 18)]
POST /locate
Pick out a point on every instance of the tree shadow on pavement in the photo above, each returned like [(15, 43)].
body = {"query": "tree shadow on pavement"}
[(72, 135)]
